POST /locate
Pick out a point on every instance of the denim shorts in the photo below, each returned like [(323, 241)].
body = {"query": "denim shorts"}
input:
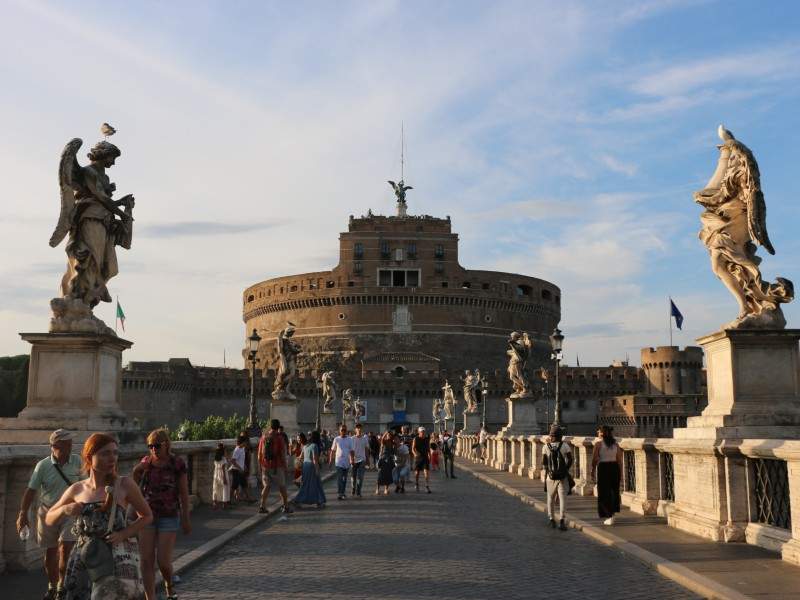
[(165, 524)]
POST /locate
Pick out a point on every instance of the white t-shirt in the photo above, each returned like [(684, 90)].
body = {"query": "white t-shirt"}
[(482, 436), (360, 445), (238, 457), (343, 446)]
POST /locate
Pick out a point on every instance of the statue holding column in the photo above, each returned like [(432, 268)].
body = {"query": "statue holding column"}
[(734, 225), (328, 391), (286, 372), (449, 402), (471, 382)]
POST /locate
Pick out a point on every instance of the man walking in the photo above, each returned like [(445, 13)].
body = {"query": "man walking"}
[(557, 460), (361, 460), (342, 456), (448, 452), (421, 449), (50, 478), (272, 458)]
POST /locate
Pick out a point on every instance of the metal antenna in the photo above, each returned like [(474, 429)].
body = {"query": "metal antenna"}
[(402, 151)]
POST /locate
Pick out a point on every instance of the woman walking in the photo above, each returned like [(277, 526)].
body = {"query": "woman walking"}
[(311, 491), (607, 471), (386, 463), (298, 444), (165, 486), (221, 490), (98, 505)]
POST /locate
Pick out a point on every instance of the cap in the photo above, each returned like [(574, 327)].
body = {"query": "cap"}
[(420, 428), (555, 430), (61, 435)]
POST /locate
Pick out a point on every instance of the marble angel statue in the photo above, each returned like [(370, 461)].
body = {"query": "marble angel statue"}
[(734, 225), (449, 401), (328, 391), (286, 372), (519, 350)]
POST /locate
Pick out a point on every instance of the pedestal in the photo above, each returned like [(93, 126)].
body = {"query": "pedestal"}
[(75, 383), (753, 392), (521, 417), (472, 422), (329, 421), (286, 413)]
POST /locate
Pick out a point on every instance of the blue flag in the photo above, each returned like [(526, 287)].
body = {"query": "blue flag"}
[(676, 313)]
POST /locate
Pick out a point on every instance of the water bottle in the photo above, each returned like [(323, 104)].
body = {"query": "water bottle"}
[(25, 533)]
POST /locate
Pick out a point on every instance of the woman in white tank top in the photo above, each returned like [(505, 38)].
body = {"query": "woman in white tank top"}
[(607, 471)]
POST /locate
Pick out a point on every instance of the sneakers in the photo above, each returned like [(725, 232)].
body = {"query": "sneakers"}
[(609, 521), (262, 510), (287, 510), (562, 526), (340, 497), (552, 523), (428, 489)]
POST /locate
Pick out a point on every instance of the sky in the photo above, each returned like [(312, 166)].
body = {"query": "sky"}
[(564, 139)]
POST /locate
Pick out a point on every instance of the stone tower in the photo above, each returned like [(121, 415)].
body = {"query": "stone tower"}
[(670, 371)]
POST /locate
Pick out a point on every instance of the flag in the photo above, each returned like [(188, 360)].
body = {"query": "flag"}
[(674, 312), (578, 360), (120, 315)]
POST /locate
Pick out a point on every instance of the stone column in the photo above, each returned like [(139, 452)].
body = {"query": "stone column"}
[(644, 500), (521, 417), (328, 420), (472, 422), (286, 412)]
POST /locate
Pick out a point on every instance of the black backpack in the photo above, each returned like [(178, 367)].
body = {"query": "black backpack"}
[(557, 463)]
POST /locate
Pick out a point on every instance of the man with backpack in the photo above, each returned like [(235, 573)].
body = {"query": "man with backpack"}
[(448, 452), (557, 461), (272, 458)]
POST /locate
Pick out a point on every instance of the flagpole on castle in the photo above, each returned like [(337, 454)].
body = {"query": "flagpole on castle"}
[(670, 320)]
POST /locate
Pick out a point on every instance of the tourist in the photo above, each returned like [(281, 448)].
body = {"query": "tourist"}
[(311, 491), (296, 456), (607, 472), (483, 436), (448, 452), (95, 502), (272, 458), (420, 449), (374, 449), (402, 466), (435, 452), (361, 459), (163, 479), (221, 489), (557, 460), (386, 463), (248, 454), (342, 456), (238, 471), (405, 433), (50, 479)]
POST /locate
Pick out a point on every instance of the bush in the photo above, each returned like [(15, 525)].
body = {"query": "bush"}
[(212, 428)]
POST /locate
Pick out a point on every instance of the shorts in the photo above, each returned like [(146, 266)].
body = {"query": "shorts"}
[(276, 476), (50, 536), (422, 464), (165, 524), (238, 479)]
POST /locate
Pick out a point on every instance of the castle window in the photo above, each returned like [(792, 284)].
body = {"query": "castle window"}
[(399, 277), (399, 372), (358, 250), (330, 284), (385, 251), (565, 404), (412, 278), (358, 267), (250, 298), (384, 277), (293, 288), (398, 254), (524, 290), (439, 268), (411, 250), (581, 404), (444, 284), (484, 286), (558, 299), (351, 283), (546, 295), (438, 251), (466, 285)]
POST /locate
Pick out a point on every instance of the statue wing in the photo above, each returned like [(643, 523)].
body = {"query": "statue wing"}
[(754, 200), (69, 180)]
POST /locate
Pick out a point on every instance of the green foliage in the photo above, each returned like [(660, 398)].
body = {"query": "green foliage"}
[(13, 384), (212, 428)]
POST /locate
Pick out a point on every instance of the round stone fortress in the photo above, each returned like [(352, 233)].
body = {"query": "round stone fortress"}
[(398, 315)]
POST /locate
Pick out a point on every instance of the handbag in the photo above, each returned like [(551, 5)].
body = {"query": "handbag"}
[(96, 554)]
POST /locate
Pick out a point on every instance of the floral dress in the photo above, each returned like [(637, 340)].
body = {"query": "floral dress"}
[(126, 583)]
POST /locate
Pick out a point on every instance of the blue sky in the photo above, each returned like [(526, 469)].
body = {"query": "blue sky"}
[(564, 139)]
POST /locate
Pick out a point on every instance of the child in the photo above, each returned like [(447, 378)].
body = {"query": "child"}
[(221, 490)]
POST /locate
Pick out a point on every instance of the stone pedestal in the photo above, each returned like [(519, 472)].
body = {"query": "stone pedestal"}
[(472, 422), (521, 417), (329, 421), (753, 392), (74, 382), (286, 413)]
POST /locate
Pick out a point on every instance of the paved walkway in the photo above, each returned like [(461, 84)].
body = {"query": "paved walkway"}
[(466, 540), (747, 569)]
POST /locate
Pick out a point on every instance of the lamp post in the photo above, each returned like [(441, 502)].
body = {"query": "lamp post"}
[(557, 341), (484, 396), (253, 430)]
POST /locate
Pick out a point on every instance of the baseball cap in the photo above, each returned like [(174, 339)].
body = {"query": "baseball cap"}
[(61, 435)]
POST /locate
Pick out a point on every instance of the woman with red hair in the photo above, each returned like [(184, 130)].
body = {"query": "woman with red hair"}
[(104, 563)]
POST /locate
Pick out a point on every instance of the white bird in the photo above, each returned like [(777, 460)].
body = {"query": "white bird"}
[(107, 130), (724, 134)]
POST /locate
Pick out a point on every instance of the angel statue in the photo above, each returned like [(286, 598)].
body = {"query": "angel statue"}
[(449, 401), (288, 350), (519, 350), (347, 403), (437, 413), (328, 391), (359, 410), (400, 189), (94, 225), (471, 382), (734, 225)]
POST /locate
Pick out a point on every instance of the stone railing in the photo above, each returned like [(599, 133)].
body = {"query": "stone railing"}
[(758, 498), (16, 466)]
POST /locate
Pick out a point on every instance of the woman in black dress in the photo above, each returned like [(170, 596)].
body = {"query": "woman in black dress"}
[(607, 471), (386, 463)]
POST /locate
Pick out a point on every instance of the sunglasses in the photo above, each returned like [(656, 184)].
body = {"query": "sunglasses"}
[(154, 446)]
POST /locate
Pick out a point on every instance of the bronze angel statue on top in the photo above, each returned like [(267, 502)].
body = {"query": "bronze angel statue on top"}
[(734, 225), (94, 226)]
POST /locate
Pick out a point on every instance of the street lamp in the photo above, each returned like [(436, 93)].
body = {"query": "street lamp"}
[(557, 341), (484, 395), (253, 430)]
